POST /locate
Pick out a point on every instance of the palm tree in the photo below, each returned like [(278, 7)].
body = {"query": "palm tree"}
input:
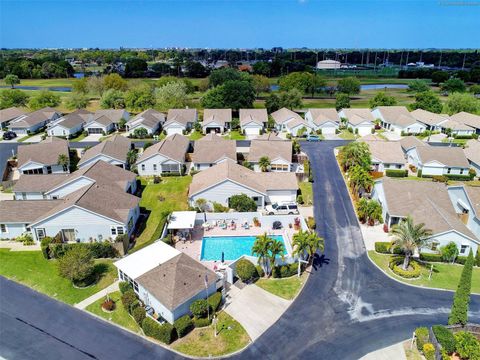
[(276, 248), (409, 236), (264, 163), (63, 160), (300, 243), (315, 243), (362, 210), (131, 157), (261, 248), (359, 178), (355, 153), (374, 212)]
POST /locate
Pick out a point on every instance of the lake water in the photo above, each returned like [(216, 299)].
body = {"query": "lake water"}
[(362, 87)]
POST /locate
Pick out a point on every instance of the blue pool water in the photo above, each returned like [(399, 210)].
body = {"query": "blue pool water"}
[(232, 246)]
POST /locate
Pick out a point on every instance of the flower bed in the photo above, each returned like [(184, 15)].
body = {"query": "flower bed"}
[(396, 266)]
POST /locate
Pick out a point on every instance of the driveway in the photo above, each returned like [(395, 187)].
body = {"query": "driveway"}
[(91, 138), (390, 135)]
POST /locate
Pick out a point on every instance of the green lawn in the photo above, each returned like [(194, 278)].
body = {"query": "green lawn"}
[(31, 269), (307, 192), (347, 135), (161, 199), (202, 342), (285, 288), (235, 135), (444, 276), (461, 142), (78, 138), (119, 316), (195, 135)]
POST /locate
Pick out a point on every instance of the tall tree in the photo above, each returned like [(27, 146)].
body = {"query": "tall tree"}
[(11, 80), (264, 163), (427, 100), (349, 85), (261, 249)]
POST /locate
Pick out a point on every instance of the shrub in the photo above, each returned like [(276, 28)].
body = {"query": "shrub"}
[(260, 271), (128, 298), (245, 270), (164, 333), (77, 265), (215, 300), (458, 177), (311, 223), (108, 305), (183, 325), (461, 300), (217, 207), (149, 326), (285, 271), (300, 199), (477, 258), (422, 336), (461, 260), (431, 257), (44, 245), (124, 287), (139, 314), (396, 173), (445, 338), (104, 249), (199, 308), (467, 346), (383, 247), (201, 322), (429, 351), (134, 305), (167, 333), (26, 238), (243, 203), (396, 266), (419, 173)]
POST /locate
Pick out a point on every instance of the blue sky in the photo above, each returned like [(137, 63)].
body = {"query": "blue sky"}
[(241, 23)]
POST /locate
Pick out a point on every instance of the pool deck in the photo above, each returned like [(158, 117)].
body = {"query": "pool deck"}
[(193, 247)]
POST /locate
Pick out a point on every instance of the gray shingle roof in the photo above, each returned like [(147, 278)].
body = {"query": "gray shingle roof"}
[(181, 116), (212, 148), (472, 151), (257, 116), (173, 147), (448, 156), (150, 118), (10, 114), (115, 147), (272, 149), (218, 116), (283, 115), (45, 152), (25, 211)]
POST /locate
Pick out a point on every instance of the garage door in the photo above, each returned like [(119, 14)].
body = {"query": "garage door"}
[(329, 130), (362, 131), (95, 130), (252, 131), (172, 131)]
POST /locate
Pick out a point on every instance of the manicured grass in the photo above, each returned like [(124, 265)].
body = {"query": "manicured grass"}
[(347, 135), (160, 200), (235, 135), (31, 269), (461, 142), (119, 316), (202, 342), (307, 192), (78, 138), (285, 288), (444, 276), (195, 135)]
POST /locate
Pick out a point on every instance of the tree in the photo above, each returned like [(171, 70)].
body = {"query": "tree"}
[(264, 163), (427, 100), (140, 133), (276, 248), (355, 153), (409, 237), (76, 101), (382, 99), (261, 68), (461, 300), (195, 69), (242, 203), (261, 249), (454, 85), (171, 96), (95, 85), (213, 98), (260, 83), (449, 252), (43, 99), (359, 179), (467, 345), (374, 212), (272, 103), (238, 94), (303, 81), (80, 86), (63, 160), (112, 99), (221, 76), (474, 89), (11, 80), (417, 86), (291, 99), (139, 98), (11, 98), (114, 81), (342, 101), (77, 265), (458, 102), (131, 157), (349, 85), (362, 210), (135, 68), (315, 243), (439, 77), (300, 243)]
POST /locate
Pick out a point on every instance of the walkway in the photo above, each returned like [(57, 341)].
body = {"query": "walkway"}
[(97, 296), (254, 308), (18, 246), (394, 352)]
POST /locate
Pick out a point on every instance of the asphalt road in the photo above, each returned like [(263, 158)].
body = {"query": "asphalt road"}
[(347, 308)]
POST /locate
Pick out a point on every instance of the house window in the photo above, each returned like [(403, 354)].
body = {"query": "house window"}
[(120, 230), (135, 286), (3, 228), (169, 168), (49, 169), (449, 170), (154, 167), (463, 249), (65, 168), (24, 196), (279, 167), (434, 246), (121, 274), (55, 197), (40, 233), (113, 230), (143, 167), (399, 166), (461, 171)]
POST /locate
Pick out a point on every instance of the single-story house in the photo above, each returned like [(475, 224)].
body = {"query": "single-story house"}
[(438, 160), (99, 124), (427, 203), (9, 114), (398, 120), (468, 119), (466, 201), (360, 120), (277, 150), (298, 127), (166, 280), (472, 152), (457, 128), (220, 182), (431, 120), (211, 150), (150, 120), (409, 142), (216, 120), (179, 120), (253, 121), (69, 125), (34, 121), (43, 158), (282, 116), (166, 156), (326, 120), (386, 155), (113, 151)]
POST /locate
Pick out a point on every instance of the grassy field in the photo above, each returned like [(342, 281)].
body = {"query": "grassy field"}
[(285, 288), (195, 135), (347, 135), (31, 269), (160, 200), (231, 337), (444, 276), (307, 192), (119, 316)]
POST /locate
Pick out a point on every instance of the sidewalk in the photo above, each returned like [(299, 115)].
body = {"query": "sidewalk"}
[(18, 246), (394, 352), (102, 293)]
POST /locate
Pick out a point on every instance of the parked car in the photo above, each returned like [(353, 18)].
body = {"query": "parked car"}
[(282, 209), (313, 138), (9, 135)]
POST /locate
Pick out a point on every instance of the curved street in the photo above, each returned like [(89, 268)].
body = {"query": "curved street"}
[(347, 309)]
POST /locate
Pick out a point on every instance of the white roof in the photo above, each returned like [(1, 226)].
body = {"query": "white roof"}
[(182, 220), (146, 259)]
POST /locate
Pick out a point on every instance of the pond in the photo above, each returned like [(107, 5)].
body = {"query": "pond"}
[(53, 88), (363, 87)]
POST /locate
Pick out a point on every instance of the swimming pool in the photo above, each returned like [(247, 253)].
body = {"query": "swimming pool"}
[(232, 246)]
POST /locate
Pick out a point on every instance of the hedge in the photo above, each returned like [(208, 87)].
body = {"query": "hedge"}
[(477, 258), (458, 177), (396, 173), (214, 301), (461, 300), (285, 271), (419, 173), (438, 258), (139, 314), (384, 247), (422, 336), (395, 265), (245, 270), (98, 250), (164, 333), (183, 325), (124, 287), (201, 322), (199, 308), (429, 351), (260, 271), (128, 298), (445, 338)]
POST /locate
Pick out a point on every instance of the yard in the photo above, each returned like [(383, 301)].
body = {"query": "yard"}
[(160, 200), (195, 135), (235, 135), (203, 343), (307, 192), (119, 316), (347, 135), (286, 288), (444, 276), (31, 269)]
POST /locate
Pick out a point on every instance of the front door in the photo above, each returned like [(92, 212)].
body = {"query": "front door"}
[(68, 234)]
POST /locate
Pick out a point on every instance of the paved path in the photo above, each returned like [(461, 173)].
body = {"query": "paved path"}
[(255, 308), (393, 352), (101, 294)]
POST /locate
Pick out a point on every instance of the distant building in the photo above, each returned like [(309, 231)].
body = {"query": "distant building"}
[(328, 64)]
